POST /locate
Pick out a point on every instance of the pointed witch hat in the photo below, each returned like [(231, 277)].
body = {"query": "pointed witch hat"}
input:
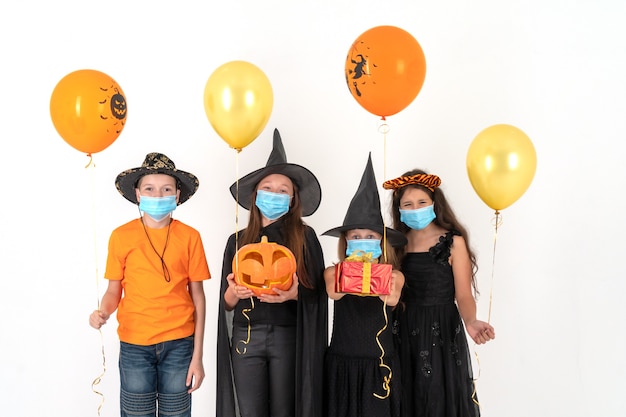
[(364, 210), (309, 187)]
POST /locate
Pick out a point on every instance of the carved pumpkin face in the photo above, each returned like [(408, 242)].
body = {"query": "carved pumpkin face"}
[(264, 266), (118, 106)]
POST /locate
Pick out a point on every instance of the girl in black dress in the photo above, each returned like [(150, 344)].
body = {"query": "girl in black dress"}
[(438, 299), (362, 367)]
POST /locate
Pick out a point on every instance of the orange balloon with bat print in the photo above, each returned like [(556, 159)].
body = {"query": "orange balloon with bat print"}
[(89, 110)]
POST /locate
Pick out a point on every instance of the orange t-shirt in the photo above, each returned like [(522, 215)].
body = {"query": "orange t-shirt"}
[(153, 310)]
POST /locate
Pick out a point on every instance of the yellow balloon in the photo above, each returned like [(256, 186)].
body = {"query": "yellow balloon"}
[(501, 164), (238, 101)]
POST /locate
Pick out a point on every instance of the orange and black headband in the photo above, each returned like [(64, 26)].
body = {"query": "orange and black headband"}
[(429, 181)]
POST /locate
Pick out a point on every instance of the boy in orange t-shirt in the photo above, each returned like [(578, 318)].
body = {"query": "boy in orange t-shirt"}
[(156, 266)]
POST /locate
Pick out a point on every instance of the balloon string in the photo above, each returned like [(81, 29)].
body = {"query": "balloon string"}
[(474, 398), (385, 177), (497, 222), (99, 377), (97, 380), (237, 209), (385, 243), (383, 128), (387, 378), (90, 163), (245, 312)]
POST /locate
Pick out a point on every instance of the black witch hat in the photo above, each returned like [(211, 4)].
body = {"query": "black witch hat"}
[(309, 187), (364, 210)]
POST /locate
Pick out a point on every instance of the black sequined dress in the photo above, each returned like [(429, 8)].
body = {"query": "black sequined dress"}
[(436, 367), (354, 377)]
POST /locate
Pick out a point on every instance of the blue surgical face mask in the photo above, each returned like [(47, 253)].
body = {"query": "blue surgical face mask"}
[(272, 205), (364, 245), (418, 219), (157, 208)]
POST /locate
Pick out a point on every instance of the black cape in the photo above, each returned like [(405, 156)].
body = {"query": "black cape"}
[(312, 331)]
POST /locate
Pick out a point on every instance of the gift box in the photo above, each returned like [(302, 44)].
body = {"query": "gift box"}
[(363, 278)]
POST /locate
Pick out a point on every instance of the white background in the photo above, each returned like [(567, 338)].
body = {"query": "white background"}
[(554, 69)]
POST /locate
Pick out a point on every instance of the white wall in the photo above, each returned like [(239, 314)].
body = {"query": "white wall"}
[(555, 69)]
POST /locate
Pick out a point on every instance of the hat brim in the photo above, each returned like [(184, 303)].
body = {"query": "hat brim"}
[(126, 182), (394, 237), (310, 191)]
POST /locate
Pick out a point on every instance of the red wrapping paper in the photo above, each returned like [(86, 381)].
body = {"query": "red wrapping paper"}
[(363, 278)]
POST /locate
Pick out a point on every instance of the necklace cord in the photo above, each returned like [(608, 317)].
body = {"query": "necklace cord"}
[(166, 271)]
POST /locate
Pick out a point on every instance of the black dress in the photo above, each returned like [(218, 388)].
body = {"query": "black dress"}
[(436, 368), (354, 375)]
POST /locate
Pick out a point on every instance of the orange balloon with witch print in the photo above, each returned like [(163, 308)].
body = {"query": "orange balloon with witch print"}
[(385, 70)]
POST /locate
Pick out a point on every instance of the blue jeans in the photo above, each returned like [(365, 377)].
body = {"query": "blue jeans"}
[(265, 375), (152, 379)]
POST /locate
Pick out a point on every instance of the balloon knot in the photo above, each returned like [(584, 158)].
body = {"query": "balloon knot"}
[(90, 163)]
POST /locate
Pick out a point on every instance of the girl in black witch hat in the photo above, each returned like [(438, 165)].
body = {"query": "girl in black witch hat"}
[(279, 371), (362, 372)]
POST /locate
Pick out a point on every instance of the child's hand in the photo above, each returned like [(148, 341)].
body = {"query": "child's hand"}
[(397, 282), (281, 295), (480, 331), (98, 318), (240, 291), (195, 375)]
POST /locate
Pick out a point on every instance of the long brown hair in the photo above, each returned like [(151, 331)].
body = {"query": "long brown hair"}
[(293, 231), (445, 218)]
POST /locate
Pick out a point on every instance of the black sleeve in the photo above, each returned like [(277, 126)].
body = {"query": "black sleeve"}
[(312, 333), (225, 397)]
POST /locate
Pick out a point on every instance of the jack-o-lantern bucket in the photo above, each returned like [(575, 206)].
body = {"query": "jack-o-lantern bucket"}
[(264, 266)]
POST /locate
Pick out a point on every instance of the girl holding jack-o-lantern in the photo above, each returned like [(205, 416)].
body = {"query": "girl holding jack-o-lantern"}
[(271, 346)]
